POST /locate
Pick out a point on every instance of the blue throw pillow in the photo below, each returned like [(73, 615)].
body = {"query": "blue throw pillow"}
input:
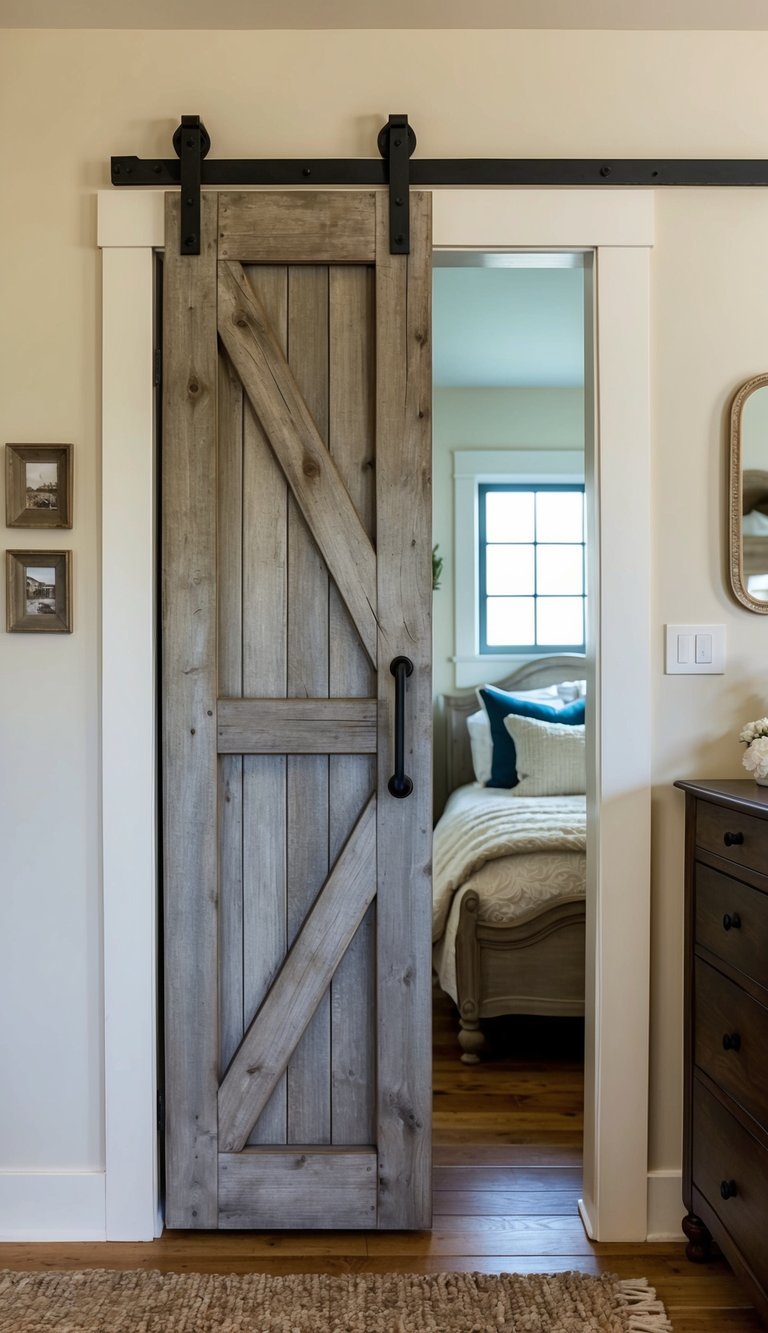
[(499, 704)]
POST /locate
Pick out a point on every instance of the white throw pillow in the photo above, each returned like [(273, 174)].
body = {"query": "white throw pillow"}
[(569, 690), (479, 729), (551, 757)]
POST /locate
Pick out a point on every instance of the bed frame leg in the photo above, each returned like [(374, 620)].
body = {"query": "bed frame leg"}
[(471, 1039)]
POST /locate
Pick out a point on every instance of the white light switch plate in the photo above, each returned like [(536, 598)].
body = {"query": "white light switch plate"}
[(695, 650)]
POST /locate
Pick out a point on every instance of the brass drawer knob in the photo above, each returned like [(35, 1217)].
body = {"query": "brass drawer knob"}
[(731, 1041), (728, 1189), (733, 839), (731, 921)]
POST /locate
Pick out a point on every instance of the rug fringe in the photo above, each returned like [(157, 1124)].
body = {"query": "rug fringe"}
[(646, 1313)]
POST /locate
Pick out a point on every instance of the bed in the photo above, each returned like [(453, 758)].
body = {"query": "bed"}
[(509, 882)]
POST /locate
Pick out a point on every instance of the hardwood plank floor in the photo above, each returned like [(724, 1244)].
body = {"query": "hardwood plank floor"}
[(508, 1138)]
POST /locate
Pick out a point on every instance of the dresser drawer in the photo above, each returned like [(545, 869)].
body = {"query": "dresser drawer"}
[(741, 838), (731, 1039), (725, 1155), (732, 922)]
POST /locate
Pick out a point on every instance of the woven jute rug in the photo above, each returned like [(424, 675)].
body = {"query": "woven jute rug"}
[(139, 1302)]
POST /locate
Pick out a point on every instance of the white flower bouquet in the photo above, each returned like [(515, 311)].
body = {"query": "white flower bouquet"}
[(755, 736)]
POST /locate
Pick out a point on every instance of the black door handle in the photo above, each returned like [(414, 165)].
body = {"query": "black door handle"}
[(731, 921), (728, 1189), (733, 839), (731, 1041), (400, 784)]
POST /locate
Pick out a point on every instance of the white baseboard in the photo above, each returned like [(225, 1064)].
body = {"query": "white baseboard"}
[(52, 1205), (665, 1205), (586, 1220)]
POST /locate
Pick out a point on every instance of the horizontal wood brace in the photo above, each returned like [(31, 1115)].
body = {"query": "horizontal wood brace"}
[(298, 227), (297, 726), (301, 1186)]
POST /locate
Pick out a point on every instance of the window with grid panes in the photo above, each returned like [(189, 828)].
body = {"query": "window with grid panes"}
[(532, 568)]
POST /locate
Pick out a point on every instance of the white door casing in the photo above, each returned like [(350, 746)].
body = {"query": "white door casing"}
[(618, 227)]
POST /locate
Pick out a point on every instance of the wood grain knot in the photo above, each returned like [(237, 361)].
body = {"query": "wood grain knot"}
[(193, 388), (310, 466)]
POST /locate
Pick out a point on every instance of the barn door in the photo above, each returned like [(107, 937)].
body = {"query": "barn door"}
[(296, 568)]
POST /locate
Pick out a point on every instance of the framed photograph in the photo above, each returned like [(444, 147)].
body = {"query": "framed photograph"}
[(38, 485), (39, 592)]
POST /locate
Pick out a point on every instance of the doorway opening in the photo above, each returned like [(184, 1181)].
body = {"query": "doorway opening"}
[(512, 416)]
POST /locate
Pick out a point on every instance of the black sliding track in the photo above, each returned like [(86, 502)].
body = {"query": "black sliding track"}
[(399, 170)]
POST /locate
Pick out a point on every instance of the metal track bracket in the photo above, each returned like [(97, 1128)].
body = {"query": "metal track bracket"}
[(191, 142), (397, 142)]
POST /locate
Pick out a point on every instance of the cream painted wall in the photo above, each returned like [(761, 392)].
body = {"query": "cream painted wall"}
[(69, 99)]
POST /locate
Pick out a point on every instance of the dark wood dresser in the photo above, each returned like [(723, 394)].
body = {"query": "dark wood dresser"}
[(725, 1154)]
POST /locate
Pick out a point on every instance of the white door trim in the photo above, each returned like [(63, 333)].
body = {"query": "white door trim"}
[(618, 226)]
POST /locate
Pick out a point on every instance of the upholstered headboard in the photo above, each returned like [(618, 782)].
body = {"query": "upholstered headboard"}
[(456, 708)]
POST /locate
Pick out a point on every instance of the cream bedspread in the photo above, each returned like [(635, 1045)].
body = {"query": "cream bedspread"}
[(481, 824), (520, 854)]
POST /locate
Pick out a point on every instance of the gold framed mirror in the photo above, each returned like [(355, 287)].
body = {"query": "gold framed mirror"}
[(748, 498)]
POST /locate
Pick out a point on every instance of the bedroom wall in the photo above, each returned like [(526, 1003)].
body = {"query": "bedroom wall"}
[(69, 99), (487, 418)]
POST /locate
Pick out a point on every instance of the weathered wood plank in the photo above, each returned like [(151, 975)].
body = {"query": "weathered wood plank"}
[(189, 726), (296, 726), (264, 937), (308, 1074), (265, 668), (351, 441), (300, 985), (229, 582), (404, 583), (265, 523), (297, 228), (319, 1188), (230, 907), (229, 535), (293, 434)]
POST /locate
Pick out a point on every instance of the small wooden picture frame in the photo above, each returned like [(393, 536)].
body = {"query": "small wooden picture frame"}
[(39, 597), (38, 485)]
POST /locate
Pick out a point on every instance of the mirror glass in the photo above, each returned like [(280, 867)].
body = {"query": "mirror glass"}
[(749, 494)]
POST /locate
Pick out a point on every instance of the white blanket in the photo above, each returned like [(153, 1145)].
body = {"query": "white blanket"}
[(482, 824)]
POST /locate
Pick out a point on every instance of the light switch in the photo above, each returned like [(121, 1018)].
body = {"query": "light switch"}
[(703, 649), (685, 648), (695, 650)]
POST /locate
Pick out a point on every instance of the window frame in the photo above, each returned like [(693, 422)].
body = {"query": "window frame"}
[(471, 469), (526, 649)]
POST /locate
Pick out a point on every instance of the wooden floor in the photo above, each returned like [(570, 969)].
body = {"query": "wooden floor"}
[(507, 1175)]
